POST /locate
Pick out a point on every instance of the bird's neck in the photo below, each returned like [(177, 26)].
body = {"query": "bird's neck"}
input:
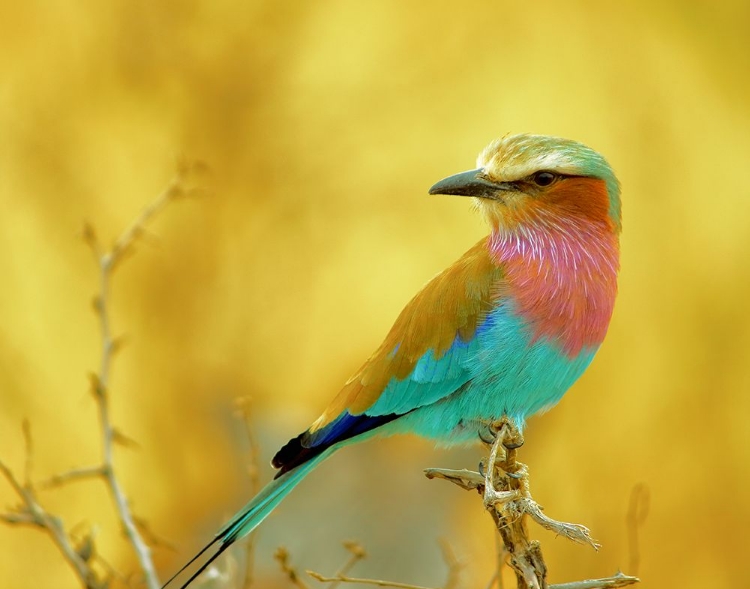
[(562, 276)]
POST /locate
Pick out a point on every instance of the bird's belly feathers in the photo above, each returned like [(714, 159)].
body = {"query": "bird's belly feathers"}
[(512, 374)]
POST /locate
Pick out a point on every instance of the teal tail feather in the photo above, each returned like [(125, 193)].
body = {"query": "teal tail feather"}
[(250, 516)]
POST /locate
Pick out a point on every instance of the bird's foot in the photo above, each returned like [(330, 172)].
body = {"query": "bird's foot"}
[(504, 427), (502, 459), (486, 434), (512, 437)]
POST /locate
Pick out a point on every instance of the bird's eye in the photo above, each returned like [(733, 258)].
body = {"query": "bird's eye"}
[(543, 178)]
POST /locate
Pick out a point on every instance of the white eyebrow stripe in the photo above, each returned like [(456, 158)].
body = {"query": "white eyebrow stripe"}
[(558, 165)]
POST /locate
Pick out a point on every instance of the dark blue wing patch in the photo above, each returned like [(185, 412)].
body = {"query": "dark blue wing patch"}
[(307, 445)]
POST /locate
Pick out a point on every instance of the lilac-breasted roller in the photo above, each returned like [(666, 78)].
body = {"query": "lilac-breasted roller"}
[(503, 332)]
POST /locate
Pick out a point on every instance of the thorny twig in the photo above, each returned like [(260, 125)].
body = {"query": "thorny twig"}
[(507, 497), (31, 512)]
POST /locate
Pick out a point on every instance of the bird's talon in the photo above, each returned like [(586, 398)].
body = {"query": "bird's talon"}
[(513, 443), (486, 435)]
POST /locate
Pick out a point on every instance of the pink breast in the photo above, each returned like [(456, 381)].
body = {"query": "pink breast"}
[(562, 280)]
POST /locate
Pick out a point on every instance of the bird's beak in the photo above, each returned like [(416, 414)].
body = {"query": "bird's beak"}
[(471, 183)]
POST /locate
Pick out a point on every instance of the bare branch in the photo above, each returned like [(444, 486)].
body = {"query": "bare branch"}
[(74, 474), (282, 556), (81, 553), (108, 261), (575, 532), (619, 580), (466, 479), (375, 582), (29, 444), (152, 538), (31, 513), (356, 552), (10, 477)]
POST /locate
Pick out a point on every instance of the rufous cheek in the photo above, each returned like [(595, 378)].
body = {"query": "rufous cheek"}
[(580, 197)]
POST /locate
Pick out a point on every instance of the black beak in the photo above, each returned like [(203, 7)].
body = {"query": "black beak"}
[(471, 183)]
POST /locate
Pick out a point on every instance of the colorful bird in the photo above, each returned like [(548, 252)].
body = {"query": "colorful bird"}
[(503, 332)]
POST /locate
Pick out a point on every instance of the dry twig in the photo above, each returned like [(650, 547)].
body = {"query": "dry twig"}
[(375, 582), (108, 261), (358, 553), (282, 556), (31, 512), (618, 580)]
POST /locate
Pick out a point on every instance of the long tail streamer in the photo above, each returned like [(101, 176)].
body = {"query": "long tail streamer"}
[(250, 516)]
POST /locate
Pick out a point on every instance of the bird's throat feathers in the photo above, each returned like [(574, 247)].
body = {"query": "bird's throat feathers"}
[(560, 263)]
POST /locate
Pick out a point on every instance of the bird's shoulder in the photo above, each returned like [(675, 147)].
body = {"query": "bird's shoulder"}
[(454, 303)]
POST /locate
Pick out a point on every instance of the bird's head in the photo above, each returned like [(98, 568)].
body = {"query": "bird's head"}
[(524, 179)]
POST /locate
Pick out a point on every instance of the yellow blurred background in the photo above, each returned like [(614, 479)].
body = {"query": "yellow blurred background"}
[(324, 124)]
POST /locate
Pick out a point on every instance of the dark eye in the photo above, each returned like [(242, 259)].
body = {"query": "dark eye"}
[(543, 178)]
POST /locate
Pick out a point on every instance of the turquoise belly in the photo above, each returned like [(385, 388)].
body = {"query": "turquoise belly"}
[(510, 376)]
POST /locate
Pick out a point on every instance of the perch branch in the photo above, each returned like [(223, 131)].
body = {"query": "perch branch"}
[(618, 580), (507, 497)]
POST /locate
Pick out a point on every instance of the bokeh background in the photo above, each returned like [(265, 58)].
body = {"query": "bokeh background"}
[(324, 124)]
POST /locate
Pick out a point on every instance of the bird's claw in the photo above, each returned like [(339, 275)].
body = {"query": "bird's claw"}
[(513, 442), (505, 427), (487, 435)]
